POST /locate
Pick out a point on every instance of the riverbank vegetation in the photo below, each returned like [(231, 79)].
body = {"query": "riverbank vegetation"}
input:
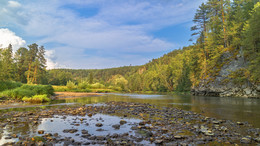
[(224, 30), (26, 92)]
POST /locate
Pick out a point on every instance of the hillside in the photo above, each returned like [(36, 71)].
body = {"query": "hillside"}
[(224, 61)]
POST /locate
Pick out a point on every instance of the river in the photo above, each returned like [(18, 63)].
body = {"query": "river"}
[(229, 108)]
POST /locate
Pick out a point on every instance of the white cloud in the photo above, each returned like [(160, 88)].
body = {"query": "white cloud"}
[(8, 37), (51, 59), (14, 4), (118, 26)]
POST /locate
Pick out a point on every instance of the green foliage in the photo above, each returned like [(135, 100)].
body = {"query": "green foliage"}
[(83, 85), (71, 85), (252, 42), (37, 99), (97, 86), (7, 85), (26, 66), (40, 89), (221, 27), (240, 76), (18, 93)]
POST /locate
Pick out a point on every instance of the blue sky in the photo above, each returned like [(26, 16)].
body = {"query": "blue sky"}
[(89, 34)]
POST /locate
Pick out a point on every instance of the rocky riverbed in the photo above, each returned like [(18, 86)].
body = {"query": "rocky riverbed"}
[(120, 123)]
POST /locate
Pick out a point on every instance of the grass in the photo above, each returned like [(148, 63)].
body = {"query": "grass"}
[(17, 93), (16, 90), (37, 99), (66, 89)]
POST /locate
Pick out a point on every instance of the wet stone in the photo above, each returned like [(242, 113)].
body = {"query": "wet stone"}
[(41, 132), (117, 126), (159, 141), (100, 129), (178, 137), (84, 131), (246, 140), (99, 124), (122, 122)]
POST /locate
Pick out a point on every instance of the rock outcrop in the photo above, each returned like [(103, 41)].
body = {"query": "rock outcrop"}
[(223, 85)]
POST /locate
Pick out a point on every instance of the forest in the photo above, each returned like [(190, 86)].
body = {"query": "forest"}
[(220, 27)]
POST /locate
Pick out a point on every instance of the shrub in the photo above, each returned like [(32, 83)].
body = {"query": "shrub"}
[(71, 85), (37, 99), (7, 85), (60, 88), (40, 89), (18, 93), (97, 86), (83, 85)]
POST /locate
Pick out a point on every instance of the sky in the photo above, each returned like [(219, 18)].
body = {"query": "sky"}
[(95, 34)]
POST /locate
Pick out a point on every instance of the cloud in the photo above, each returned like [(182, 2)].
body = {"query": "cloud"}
[(51, 59), (116, 28), (14, 4), (8, 37)]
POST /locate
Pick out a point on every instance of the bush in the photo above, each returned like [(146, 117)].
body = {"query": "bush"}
[(83, 85), (71, 85), (37, 99), (18, 93), (40, 89), (7, 85), (60, 88), (97, 86)]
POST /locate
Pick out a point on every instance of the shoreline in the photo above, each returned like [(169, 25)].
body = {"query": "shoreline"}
[(66, 95)]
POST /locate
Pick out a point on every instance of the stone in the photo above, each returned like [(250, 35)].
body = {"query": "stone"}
[(178, 137), (117, 126), (99, 124), (41, 132), (158, 141), (122, 122), (246, 140), (90, 115), (248, 91)]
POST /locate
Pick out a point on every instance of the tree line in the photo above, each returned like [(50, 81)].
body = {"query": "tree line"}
[(26, 65), (220, 27)]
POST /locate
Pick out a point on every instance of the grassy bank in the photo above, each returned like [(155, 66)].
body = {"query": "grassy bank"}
[(25, 92), (87, 89)]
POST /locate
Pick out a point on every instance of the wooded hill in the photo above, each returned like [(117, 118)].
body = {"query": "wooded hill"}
[(224, 31)]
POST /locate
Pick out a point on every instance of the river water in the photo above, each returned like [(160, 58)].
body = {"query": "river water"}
[(236, 109), (230, 108)]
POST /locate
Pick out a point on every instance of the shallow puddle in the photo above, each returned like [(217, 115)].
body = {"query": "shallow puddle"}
[(59, 124)]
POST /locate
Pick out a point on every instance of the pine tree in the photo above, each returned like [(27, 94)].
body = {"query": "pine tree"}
[(21, 66), (201, 19), (31, 56), (8, 63), (252, 42)]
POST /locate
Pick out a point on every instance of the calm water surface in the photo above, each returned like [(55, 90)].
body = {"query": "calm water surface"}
[(237, 109)]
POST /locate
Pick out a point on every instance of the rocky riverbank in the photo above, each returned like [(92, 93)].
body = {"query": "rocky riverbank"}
[(230, 81), (120, 123)]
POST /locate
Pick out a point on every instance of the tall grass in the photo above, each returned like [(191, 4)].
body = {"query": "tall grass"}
[(37, 99), (17, 93), (17, 90)]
